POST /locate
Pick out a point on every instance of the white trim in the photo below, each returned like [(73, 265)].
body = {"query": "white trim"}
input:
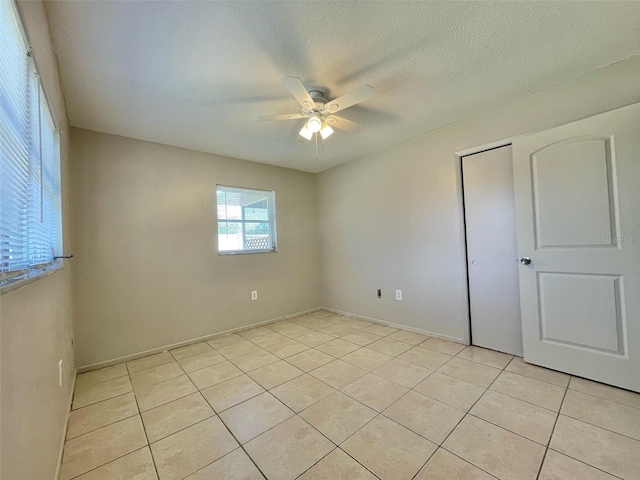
[(462, 225), (133, 356), (398, 325), (462, 243), (487, 146), (66, 425)]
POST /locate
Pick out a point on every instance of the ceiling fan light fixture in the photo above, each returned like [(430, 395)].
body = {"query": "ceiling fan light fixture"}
[(306, 133), (326, 131), (314, 124), (318, 112)]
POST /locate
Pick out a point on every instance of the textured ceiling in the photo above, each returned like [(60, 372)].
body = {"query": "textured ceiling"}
[(198, 74)]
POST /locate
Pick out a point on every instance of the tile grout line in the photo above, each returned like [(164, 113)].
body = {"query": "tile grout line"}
[(462, 419), (510, 431), (587, 464), (100, 401), (183, 428), (468, 412), (546, 450), (242, 445), (337, 446), (601, 428), (227, 427), (355, 460), (153, 460), (112, 423), (139, 414), (465, 461), (105, 425), (377, 414), (110, 461), (239, 447), (602, 398), (223, 423), (506, 394)]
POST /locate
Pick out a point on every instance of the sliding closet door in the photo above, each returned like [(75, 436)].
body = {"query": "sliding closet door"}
[(492, 250)]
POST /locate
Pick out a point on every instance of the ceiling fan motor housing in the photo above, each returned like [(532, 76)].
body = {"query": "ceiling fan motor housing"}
[(319, 101), (318, 96)]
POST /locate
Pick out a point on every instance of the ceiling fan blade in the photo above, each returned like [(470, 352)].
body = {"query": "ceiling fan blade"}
[(299, 91), (344, 124), (292, 116), (358, 95)]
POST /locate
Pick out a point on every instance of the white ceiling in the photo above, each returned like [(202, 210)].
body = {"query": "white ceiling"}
[(198, 74)]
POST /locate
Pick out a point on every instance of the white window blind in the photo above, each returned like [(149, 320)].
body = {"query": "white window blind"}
[(246, 220), (30, 221)]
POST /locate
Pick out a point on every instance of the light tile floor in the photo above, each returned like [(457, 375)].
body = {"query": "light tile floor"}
[(328, 397)]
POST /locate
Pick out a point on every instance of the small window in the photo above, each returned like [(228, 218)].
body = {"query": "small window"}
[(246, 220)]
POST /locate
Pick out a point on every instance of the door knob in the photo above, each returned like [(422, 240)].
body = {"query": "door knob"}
[(525, 260)]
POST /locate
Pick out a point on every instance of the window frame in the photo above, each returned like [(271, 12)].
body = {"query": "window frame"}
[(271, 210), (48, 182)]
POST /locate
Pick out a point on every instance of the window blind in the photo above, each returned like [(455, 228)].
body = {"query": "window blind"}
[(30, 232)]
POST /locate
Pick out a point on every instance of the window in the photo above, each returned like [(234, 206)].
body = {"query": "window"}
[(30, 221), (246, 220)]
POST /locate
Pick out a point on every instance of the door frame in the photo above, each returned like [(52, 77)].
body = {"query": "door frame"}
[(463, 220)]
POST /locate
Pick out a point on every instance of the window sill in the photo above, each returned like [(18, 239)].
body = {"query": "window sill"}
[(245, 252), (13, 283)]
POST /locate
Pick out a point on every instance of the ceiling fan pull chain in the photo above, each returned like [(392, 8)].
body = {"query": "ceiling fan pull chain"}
[(316, 148)]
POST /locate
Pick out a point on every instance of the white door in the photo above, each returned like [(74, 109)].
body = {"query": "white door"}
[(577, 190), (492, 253)]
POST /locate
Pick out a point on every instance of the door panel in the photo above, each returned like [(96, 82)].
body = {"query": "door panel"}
[(577, 209), (570, 213), (492, 251), (595, 300)]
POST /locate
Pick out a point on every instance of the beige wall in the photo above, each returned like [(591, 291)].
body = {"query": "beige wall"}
[(36, 322), (393, 220), (147, 269)]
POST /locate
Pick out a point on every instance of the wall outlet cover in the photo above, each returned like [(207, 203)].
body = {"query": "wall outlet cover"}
[(60, 372)]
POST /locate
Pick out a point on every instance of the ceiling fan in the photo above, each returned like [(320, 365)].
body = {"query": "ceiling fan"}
[(319, 111)]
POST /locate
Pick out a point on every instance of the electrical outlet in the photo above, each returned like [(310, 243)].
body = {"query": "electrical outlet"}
[(60, 372), (254, 295), (399, 295)]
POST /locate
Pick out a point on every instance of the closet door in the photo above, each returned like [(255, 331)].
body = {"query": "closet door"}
[(492, 253)]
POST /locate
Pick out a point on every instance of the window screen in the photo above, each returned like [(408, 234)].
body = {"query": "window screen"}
[(246, 220)]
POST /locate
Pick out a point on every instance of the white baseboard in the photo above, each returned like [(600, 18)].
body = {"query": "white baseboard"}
[(398, 325), (133, 356), (66, 425), (164, 348)]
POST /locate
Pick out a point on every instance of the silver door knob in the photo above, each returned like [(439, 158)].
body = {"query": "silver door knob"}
[(525, 260)]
